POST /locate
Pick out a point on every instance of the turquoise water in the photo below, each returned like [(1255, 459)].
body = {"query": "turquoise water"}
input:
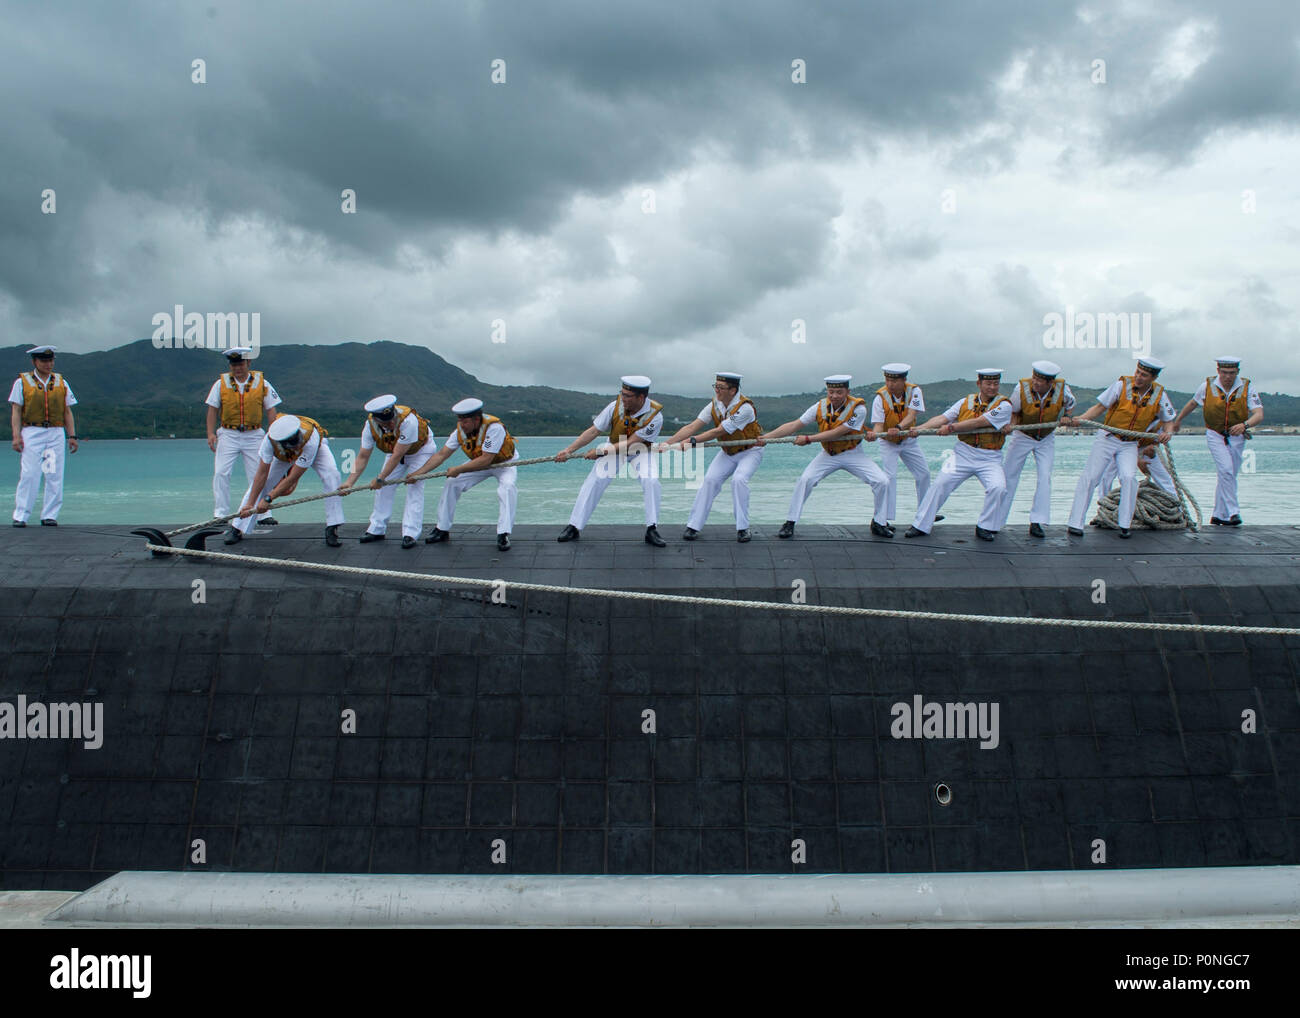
[(170, 482)]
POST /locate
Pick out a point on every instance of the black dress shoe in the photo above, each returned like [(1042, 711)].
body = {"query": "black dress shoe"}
[(1234, 521), (367, 537), (984, 535), (880, 531), (503, 542), (1036, 530), (787, 529), (49, 523), (1074, 531), (1218, 522), (1123, 532), (332, 536), (937, 519), (437, 536), (270, 521), (569, 533), (652, 537), (233, 536), (742, 536), (690, 534), (913, 532), (19, 523), (408, 542)]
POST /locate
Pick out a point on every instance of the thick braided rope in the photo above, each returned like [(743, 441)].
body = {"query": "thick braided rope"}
[(719, 602)]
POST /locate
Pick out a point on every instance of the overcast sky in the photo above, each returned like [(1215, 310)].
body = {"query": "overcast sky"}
[(948, 174)]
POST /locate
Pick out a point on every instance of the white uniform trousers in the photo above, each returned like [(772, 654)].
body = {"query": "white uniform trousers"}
[(43, 454), (644, 466), (909, 451), (413, 511), (326, 469), (1160, 476), (507, 494), (1107, 450), (740, 468), (1227, 462), (1017, 450), (232, 445), (967, 461), (856, 462)]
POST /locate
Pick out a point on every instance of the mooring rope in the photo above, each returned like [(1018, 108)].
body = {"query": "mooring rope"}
[(721, 602)]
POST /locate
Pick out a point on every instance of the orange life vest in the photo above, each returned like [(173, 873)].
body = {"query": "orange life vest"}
[(386, 441), (750, 430), (895, 409), (828, 418), (1036, 411), (242, 410), (1222, 414), (473, 444), (1132, 412), (43, 405), (626, 427), (972, 407), (306, 427)]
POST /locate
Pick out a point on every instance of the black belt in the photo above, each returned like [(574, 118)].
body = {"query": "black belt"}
[(249, 427)]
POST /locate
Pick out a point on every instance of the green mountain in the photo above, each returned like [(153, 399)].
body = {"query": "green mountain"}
[(330, 383)]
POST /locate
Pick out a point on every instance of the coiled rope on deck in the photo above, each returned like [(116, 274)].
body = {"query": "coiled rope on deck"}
[(722, 602)]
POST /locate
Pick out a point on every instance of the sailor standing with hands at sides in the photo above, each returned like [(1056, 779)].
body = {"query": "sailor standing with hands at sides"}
[(1135, 402), (733, 417), (491, 451), (236, 403), (1231, 406), (973, 456), (893, 412), (405, 439), (1040, 399), (40, 414), (633, 422), (292, 446), (841, 422)]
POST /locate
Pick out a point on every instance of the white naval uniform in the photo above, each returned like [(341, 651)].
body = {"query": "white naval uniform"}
[(1018, 449), (233, 444), (1108, 449), (1160, 475), (36, 442), (739, 467), (1227, 452), (642, 463), (316, 456), (507, 490), (967, 461), (908, 450), (413, 510), (854, 460)]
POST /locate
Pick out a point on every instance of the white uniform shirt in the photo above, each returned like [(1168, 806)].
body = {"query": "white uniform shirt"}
[(307, 458), (271, 399), (1112, 395), (604, 420), (744, 416), (856, 421), (916, 403), (1252, 397), (998, 418), (1067, 401), (492, 441), (16, 393), (409, 433)]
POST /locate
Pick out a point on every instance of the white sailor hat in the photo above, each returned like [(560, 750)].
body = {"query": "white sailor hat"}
[(989, 373), (467, 407), (897, 369), (729, 376), (837, 379), (283, 427), (1048, 369), (37, 351), (637, 382), (1228, 362), (1151, 364), (382, 406), (238, 353)]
